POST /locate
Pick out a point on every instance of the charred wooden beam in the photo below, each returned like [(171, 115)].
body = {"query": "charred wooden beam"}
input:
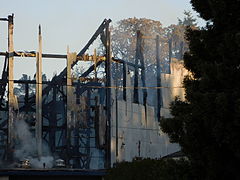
[(84, 57), (62, 75), (124, 82), (3, 19), (159, 95), (70, 101), (4, 84), (136, 71), (117, 60), (11, 99), (38, 124), (108, 96), (141, 58)]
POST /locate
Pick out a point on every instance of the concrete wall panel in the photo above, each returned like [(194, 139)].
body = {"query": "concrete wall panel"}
[(139, 134)]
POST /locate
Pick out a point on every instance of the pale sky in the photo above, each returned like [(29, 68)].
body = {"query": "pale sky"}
[(72, 22)]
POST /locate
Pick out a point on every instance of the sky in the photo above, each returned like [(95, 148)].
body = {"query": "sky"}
[(72, 23)]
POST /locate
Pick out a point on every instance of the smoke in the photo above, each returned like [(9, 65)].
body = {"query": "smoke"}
[(26, 147), (38, 163), (25, 142)]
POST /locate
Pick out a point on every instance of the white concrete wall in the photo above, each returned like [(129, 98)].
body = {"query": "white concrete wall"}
[(133, 128), (135, 124)]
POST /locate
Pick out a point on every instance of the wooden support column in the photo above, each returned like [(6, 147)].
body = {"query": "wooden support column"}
[(95, 63), (26, 97), (136, 72), (159, 95), (124, 81), (53, 120), (11, 98), (141, 58), (38, 125), (108, 97), (71, 57), (116, 107), (4, 85)]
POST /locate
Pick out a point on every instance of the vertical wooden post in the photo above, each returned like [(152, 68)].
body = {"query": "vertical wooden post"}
[(135, 91), (159, 95), (141, 58), (71, 57), (124, 81), (116, 108), (38, 125), (26, 97), (4, 76), (95, 63), (53, 120), (10, 86), (108, 97)]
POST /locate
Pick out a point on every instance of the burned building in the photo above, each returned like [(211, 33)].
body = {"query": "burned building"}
[(88, 122)]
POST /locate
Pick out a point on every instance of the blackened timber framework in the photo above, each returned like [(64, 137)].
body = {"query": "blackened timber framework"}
[(54, 102), (71, 144)]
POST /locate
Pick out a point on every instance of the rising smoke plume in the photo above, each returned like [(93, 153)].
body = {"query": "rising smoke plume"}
[(26, 147)]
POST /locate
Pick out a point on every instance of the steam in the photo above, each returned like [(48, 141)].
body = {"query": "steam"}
[(26, 147)]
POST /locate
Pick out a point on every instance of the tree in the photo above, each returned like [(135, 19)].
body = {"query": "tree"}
[(207, 123), (124, 37), (176, 34), (188, 19)]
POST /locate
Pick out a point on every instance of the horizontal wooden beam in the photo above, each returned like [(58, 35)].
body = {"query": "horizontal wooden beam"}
[(28, 82), (3, 19), (84, 57), (126, 62)]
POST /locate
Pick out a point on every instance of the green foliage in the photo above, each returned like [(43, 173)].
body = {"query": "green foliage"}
[(188, 20), (150, 169), (207, 124)]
